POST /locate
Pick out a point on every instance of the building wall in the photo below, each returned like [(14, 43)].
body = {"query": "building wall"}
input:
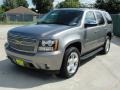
[(20, 17)]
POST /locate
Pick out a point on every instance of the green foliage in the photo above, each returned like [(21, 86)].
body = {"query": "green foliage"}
[(43, 6), (10, 4), (1, 14), (1, 10), (22, 3), (112, 6), (69, 4)]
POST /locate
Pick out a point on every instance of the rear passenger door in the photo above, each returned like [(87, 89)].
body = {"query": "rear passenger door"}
[(100, 29)]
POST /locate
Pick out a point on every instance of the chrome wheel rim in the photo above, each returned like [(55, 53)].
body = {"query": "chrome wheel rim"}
[(72, 64), (107, 47)]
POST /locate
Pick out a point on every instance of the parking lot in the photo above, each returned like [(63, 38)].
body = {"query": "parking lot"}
[(101, 72)]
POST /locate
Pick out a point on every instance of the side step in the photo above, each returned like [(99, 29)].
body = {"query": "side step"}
[(86, 56)]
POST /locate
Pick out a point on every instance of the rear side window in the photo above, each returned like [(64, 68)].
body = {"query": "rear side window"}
[(100, 18), (108, 18)]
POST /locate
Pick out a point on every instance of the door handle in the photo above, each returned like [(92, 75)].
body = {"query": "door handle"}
[(96, 31), (105, 29)]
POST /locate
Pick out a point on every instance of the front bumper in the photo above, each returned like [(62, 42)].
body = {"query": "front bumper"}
[(42, 60)]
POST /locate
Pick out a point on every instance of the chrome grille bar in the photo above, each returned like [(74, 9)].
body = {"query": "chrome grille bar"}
[(22, 43)]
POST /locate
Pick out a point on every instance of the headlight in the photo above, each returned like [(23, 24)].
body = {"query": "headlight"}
[(48, 45)]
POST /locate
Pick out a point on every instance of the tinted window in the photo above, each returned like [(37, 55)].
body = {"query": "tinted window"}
[(108, 18), (64, 17), (90, 18), (100, 18)]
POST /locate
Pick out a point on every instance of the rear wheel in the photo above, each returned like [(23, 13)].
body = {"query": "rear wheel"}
[(106, 46), (70, 63)]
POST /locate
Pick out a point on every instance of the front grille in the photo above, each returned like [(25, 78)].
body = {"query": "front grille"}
[(21, 43)]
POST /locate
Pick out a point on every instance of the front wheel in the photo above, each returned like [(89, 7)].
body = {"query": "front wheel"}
[(70, 63), (106, 46)]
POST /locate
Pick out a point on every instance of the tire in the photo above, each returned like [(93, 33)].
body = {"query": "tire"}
[(106, 46), (70, 63)]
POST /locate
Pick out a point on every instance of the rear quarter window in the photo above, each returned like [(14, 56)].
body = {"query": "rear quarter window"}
[(108, 17)]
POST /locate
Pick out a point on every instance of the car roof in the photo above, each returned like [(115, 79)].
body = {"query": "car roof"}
[(81, 9)]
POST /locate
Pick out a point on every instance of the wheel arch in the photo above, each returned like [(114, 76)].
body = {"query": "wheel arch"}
[(76, 43), (109, 34)]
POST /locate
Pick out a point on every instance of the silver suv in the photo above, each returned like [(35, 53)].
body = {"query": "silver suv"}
[(61, 40)]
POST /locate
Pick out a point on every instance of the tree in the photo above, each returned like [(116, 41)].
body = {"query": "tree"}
[(22, 3), (112, 6), (100, 4), (10, 4), (43, 6), (69, 4), (1, 10), (1, 14)]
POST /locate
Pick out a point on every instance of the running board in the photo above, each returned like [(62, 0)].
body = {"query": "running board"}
[(86, 56)]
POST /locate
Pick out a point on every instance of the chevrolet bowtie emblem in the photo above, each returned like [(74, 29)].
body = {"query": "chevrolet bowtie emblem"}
[(18, 42)]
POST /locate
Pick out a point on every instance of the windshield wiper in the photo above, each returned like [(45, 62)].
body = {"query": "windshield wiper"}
[(51, 23), (42, 23)]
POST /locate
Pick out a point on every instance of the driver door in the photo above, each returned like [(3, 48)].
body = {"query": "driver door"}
[(90, 24)]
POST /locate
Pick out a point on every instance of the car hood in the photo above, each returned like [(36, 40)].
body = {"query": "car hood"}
[(39, 31)]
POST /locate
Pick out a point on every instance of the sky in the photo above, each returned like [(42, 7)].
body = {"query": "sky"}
[(56, 1)]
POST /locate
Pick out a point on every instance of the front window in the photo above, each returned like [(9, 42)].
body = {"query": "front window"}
[(90, 18), (63, 17)]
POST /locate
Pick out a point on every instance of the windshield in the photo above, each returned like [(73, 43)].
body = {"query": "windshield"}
[(63, 17)]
